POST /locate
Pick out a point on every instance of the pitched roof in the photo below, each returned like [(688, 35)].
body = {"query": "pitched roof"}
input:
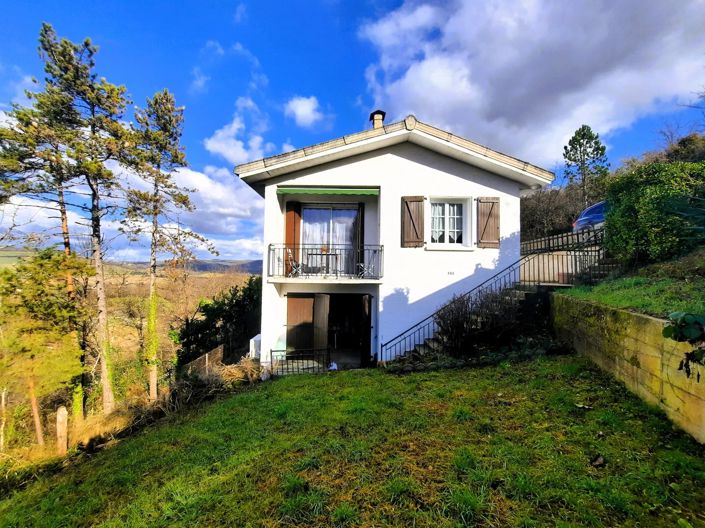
[(410, 129)]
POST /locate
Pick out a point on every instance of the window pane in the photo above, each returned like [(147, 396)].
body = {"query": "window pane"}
[(446, 223), (455, 223), (343, 229), (437, 223), (316, 226)]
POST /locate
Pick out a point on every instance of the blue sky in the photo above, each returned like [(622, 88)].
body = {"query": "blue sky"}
[(258, 78)]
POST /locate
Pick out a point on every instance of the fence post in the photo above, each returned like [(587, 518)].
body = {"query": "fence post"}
[(3, 417), (62, 430)]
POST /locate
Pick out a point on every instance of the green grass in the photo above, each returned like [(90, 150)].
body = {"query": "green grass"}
[(657, 289), (472, 447)]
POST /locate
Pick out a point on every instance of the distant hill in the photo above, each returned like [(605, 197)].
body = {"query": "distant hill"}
[(207, 265), (9, 257), (243, 266)]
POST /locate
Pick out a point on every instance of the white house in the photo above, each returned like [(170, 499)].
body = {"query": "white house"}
[(369, 233)]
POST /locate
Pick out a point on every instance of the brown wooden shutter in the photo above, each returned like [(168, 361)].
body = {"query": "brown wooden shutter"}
[(292, 232), (488, 222), (412, 221), (293, 224)]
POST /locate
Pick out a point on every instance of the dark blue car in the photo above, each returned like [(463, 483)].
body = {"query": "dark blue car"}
[(591, 218)]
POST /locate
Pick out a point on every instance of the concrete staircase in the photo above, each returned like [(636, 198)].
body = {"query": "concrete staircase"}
[(528, 300), (519, 291)]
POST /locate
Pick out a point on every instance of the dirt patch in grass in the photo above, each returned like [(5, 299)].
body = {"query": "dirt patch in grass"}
[(512, 445)]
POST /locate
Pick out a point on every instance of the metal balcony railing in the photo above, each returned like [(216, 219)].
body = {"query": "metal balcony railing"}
[(331, 261)]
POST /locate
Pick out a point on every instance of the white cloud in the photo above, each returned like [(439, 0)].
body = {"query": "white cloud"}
[(222, 201), (305, 110), (240, 13), (5, 119), (241, 248), (199, 81), (20, 88), (522, 76), (213, 47), (257, 78), (287, 147), (242, 51), (241, 140), (227, 211)]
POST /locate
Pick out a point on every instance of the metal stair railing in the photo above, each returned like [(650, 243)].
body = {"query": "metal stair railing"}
[(580, 254)]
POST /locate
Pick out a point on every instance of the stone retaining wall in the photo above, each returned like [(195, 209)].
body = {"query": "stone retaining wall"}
[(631, 348)]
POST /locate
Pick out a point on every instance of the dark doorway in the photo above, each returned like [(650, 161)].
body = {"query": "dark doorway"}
[(349, 323), (339, 323)]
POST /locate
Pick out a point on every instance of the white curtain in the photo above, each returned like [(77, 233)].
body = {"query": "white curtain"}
[(315, 238), (343, 227), (329, 238), (343, 238), (437, 223), (316, 226)]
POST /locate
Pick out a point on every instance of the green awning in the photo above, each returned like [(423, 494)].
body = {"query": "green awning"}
[(350, 191)]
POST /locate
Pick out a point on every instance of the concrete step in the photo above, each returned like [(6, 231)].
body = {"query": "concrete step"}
[(423, 349), (434, 343)]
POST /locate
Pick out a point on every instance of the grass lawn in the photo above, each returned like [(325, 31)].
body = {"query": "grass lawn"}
[(496, 446), (657, 289)]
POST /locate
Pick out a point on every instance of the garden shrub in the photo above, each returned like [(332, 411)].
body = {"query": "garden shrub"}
[(230, 319), (467, 323), (642, 223)]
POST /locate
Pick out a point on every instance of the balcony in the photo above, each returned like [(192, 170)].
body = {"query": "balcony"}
[(327, 262)]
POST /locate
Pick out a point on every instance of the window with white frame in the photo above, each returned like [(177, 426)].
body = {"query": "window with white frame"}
[(447, 222)]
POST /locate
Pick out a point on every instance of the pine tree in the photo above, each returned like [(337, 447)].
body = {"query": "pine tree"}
[(32, 160), (99, 106), (585, 162), (35, 298), (33, 163), (158, 154)]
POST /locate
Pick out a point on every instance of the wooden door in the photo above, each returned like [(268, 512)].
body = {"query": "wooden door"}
[(299, 321), (366, 330), (321, 307)]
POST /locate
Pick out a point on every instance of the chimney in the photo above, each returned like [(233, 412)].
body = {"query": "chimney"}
[(377, 118)]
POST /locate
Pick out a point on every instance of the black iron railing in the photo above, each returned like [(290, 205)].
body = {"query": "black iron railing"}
[(335, 260), (581, 260), (299, 361), (563, 241)]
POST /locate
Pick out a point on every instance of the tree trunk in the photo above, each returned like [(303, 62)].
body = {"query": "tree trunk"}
[(35, 412), (152, 348), (102, 330), (71, 289), (66, 237), (3, 417)]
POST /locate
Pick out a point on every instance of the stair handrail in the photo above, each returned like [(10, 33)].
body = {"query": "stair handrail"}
[(593, 237)]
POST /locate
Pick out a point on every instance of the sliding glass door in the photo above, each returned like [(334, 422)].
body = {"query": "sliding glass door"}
[(330, 239)]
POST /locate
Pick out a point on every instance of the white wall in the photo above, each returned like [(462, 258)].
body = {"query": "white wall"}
[(416, 280)]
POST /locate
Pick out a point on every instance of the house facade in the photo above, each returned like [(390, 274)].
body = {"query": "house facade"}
[(366, 234)]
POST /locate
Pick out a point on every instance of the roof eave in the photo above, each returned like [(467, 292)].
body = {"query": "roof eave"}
[(528, 175), (411, 130), (300, 162)]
